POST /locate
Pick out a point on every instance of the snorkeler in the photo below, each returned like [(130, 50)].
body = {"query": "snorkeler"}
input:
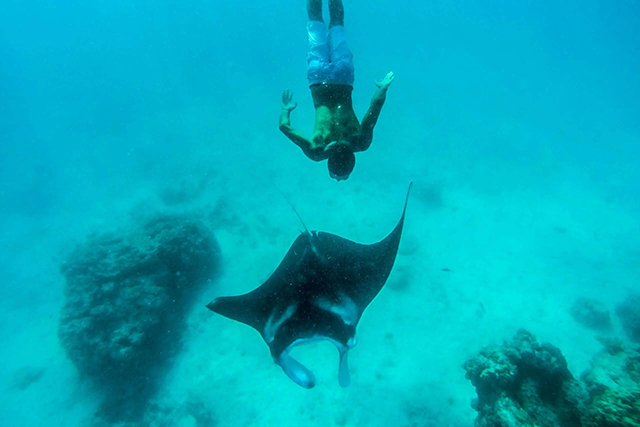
[(337, 133)]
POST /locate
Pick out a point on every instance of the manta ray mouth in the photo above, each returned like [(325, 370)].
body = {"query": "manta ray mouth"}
[(301, 375)]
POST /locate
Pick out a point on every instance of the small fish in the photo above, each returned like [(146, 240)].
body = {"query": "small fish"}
[(480, 310)]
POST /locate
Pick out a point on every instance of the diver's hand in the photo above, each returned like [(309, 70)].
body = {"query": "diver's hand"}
[(287, 100), (386, 81)]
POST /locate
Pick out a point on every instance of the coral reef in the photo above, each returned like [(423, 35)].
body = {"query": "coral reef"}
[(591, 314), (524, 383), (613, 384), (629, 314), (127, 297)]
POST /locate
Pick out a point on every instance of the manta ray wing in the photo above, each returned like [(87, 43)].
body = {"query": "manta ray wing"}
[(254, 308)]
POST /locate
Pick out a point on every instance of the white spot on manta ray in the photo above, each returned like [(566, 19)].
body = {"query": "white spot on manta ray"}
[(273, 324), (346, 309)]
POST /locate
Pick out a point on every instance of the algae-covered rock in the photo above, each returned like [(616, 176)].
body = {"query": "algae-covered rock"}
[(524, 383), (127, 296), (613, 383)]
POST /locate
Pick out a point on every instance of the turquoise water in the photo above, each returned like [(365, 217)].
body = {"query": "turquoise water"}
[(518, 124)]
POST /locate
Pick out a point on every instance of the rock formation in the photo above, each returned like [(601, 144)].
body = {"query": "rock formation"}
[(127, 297)]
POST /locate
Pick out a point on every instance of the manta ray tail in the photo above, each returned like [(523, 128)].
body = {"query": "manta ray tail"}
[(406, 200), (296, 212)]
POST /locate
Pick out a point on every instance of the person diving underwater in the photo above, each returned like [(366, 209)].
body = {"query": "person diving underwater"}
[(337, 133)]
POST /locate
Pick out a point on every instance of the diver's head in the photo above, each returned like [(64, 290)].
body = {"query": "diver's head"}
[(341, 161)]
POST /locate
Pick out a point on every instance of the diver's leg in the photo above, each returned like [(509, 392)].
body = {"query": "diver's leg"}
[(341, 70), (318, 50), (314, 10), (336, 12)]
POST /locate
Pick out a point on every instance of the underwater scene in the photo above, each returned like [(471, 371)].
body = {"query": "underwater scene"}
[(332, 213)]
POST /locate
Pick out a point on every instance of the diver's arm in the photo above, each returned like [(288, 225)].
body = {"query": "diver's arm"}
[(295, 136), (285, 126), (371, 117)]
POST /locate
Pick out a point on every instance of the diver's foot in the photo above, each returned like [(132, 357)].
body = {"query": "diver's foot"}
[(314, 10)]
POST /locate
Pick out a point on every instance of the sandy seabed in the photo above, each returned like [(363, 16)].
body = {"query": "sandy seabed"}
[(477, 262)]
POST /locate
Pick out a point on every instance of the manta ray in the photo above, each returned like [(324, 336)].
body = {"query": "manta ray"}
[(318, 292)]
